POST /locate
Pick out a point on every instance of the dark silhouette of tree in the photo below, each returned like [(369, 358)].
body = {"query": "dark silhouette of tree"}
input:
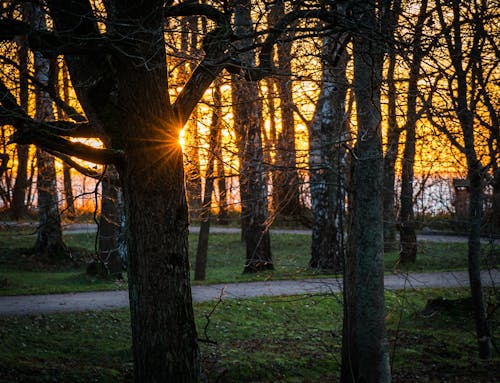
[(365, 356), (407, 234)]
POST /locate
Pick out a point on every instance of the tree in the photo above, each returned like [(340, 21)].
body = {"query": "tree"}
[(49, 241), (407, 234), (115, 54), (463, 29), (285, 177), (365, 356), (214, 143), (247, 124), (393, 134), (328, 135)]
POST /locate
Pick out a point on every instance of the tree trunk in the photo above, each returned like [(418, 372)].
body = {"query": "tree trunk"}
[(68, 184), (327, 160), (365, 356), (286, 195), (407, 234), (391, 154), (49, 240), (214, 142), (465, 114), (253, 188), (68, 190), (110, 231), (18, 207), (164, 336)]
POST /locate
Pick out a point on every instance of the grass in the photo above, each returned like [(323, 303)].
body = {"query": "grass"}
[(293, 339), (226, 256)]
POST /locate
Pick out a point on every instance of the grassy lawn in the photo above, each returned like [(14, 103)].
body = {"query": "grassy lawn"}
[(226, 256), (293, 339)]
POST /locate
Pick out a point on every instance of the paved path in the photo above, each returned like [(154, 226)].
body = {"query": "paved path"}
[(82, 228), (44, 304)]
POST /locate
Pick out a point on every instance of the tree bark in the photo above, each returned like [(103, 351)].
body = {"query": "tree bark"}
[(253, 188), (365, 356), (327, 159)]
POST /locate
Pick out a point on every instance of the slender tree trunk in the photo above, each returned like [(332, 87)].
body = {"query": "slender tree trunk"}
[(68, 184), (327, 159), (365, 356), (110, 229), (214, 141), (68, 190), (393, 135), (407, 234), (253, 188), (391, 154), (19, 207), (454, 41), (49, 236), (286, 195)]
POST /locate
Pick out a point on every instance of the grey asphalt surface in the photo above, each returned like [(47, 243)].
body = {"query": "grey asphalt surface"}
[(103, 300)]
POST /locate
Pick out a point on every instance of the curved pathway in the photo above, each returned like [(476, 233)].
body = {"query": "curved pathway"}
[(102, 300)]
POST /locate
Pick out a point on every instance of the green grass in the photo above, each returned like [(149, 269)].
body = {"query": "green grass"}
[(226, 256), (293, 339)]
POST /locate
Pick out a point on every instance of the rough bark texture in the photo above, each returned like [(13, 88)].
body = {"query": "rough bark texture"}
[(253, 188), (327, 160), (365, 356)]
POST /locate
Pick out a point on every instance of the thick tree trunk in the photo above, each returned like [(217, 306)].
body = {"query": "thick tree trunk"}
[(365, 356), (253, 188), (164, 336), (327, 160)]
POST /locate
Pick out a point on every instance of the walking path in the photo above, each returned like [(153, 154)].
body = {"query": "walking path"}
[(44, 304), (83, 228)]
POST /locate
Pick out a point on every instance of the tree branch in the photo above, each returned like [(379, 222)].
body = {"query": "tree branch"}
[(49, 141)]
